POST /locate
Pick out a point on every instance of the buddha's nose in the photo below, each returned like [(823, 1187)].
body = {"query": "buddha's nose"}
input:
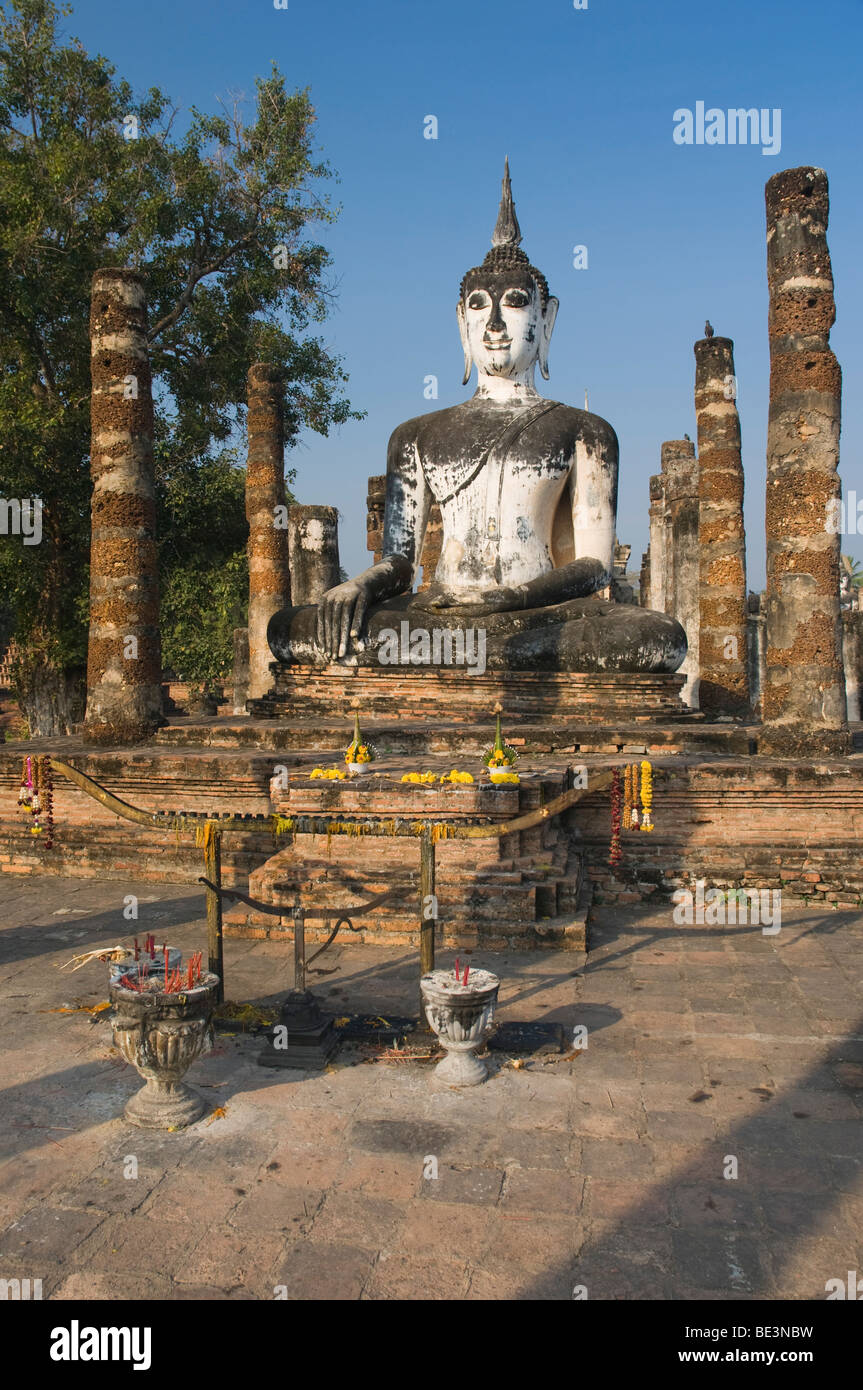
[(495, 322)]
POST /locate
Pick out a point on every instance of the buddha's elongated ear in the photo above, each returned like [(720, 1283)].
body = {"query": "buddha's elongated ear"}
[(462, 330), (546, 331)]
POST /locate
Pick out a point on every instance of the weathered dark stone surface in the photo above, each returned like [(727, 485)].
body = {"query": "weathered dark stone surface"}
[(573, 636)]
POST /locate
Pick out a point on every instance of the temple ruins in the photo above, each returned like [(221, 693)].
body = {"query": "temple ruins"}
[(493, 539)]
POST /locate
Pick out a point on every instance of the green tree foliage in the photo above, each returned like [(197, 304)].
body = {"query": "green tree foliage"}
[(216, 211)]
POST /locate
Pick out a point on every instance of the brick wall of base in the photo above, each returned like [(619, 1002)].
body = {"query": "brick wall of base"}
[(746, 823)]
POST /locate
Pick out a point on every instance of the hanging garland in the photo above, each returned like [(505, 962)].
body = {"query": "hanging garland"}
[(630, 822), (615, 854), (36, 796), (646, 795), (48, 799), (627, 796)]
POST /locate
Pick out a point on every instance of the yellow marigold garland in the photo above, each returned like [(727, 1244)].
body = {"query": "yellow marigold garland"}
[(646, 795)]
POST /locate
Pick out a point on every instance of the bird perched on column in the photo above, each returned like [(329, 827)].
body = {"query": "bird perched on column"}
[(708, 329)]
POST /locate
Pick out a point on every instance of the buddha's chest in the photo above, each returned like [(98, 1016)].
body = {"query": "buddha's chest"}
[(497, 527)]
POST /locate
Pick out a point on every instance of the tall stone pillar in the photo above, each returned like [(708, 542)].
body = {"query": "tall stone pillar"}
[(124, 698), (724, 682), (313, 548), (644, 579), (680, 481), (432, 543), (375, 501), (266, 511), (804, 695), (852, 657), (240, 673), (656, 596), (756, 651)]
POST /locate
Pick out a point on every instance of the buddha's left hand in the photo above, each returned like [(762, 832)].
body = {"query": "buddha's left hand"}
[(499, 600)]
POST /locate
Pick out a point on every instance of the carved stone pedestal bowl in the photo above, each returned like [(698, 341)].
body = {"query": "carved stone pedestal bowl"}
[(461, 1015), (162, 1035)]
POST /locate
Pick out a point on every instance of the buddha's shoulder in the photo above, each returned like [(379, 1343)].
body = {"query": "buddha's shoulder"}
[(433, 423), (583, 425), (563, 421)]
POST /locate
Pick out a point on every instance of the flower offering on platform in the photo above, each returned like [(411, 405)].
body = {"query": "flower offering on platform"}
[(501, 758), (358, 753)]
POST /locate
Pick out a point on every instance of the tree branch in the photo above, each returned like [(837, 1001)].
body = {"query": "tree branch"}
[(197, 273)]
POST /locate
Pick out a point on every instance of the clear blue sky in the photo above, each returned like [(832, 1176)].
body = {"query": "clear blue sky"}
[(582, 101)]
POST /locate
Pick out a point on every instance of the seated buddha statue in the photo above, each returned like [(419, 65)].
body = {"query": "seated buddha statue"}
[(527, 491)]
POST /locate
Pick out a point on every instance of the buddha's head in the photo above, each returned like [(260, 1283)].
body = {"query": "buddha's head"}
[(505, 312)]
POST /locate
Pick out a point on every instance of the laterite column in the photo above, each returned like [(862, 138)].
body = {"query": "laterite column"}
[(724, 682), (680, 485), (656, 595), (313, 547), (804, 693), (266, 511), (124, 660)]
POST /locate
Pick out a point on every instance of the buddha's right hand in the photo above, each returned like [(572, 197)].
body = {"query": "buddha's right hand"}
[(340, 617)]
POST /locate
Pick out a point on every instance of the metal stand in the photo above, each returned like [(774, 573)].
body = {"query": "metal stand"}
[(303, 1038)]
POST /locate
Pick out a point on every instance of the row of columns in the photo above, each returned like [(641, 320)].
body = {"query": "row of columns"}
[(292, 551), (695, 567)]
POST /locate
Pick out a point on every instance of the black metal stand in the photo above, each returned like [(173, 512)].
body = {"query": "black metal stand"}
[(304, 1038)]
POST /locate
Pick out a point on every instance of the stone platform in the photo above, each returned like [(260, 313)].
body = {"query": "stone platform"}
[(732, 820), (502, 891), (418, 738), (459, 694)]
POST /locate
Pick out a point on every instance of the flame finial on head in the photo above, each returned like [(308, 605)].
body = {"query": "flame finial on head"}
[(505, 253), (506, 231)]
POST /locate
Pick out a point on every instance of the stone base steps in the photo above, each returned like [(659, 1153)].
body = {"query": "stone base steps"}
[(412, 738), (461, 695), (512, 891)]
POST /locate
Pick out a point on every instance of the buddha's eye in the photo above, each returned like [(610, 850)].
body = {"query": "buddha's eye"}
[(478, 300), (516, 299)]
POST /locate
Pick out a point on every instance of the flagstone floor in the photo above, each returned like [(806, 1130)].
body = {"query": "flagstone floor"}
[(705, 1144)]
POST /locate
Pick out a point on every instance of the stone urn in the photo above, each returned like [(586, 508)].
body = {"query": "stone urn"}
[(162, 1035), (461, 1015), (358, 769)]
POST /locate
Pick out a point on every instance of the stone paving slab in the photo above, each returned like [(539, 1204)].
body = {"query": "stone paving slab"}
[(711, 1051)]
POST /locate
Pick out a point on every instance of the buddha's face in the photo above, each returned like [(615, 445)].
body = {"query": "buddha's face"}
[(503, 326)]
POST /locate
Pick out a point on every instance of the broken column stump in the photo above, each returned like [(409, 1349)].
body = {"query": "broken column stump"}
[(313, 548)]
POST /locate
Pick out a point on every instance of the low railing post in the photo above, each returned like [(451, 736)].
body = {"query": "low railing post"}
[(299, 949), (213, 868), (428, 908)]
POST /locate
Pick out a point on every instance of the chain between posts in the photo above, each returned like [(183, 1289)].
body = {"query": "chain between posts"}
[(428, 832)]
